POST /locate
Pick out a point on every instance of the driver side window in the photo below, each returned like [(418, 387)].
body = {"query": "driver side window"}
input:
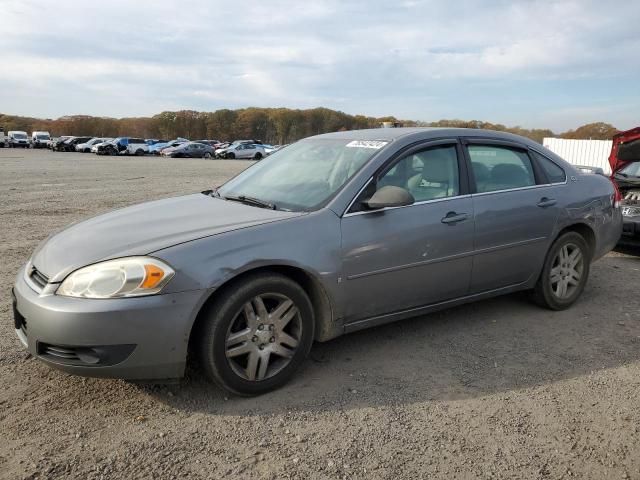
[(427, 174)]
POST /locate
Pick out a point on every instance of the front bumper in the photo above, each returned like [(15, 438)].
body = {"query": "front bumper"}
[(131, 338)]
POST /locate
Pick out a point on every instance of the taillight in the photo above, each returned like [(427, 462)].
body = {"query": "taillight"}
[(616, 198)]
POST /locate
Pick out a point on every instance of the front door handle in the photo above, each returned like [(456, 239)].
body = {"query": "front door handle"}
[(452, 218), (546, 202)]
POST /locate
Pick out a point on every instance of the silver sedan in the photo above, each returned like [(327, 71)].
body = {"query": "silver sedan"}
[(333, 234)]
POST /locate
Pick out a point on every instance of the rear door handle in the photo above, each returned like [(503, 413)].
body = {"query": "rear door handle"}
[(452, 218), (546, 202)]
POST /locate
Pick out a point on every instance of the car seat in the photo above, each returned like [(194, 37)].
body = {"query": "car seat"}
[(435, 180)]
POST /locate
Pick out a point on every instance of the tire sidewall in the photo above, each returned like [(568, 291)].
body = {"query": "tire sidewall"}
[(544, 286), (222, 313)]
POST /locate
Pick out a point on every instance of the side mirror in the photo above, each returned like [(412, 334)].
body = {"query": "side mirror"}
[(389, 196)]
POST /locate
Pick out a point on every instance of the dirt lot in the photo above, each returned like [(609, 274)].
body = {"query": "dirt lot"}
[(498, 389)]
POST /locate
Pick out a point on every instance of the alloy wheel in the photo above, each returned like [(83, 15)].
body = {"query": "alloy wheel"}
[(566, 271), (263, 337)]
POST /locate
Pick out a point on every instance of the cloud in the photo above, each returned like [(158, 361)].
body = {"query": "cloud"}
[(414, 59)]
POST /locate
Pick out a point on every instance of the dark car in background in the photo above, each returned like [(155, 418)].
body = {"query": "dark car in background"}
[(53, 144), (625, 165), (69, 145)]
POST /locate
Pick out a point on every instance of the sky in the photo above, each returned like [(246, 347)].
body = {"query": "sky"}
[(537, 64)]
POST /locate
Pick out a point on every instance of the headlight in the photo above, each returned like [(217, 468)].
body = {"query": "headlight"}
[(125, 277)]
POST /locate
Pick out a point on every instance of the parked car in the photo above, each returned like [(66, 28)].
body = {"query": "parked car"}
[(221, 150), (333, 234), (625, 167), (189, 150), (69, 145), (18, 139), (244, 151), (86, 147), (54, 142), (40, 139), (123, 146), (98, 146), (157, 147)]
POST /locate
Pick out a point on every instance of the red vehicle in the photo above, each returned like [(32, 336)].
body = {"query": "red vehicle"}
[(625, 172)]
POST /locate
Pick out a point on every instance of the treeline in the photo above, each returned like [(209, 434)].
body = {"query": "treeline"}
[(271, 125)]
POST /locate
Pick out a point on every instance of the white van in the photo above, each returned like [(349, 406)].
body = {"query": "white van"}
[(40, 139), (2, 138), (18, 138)]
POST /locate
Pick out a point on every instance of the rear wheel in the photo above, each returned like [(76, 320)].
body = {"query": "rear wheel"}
[(207, 156), (139, 153), (257, 156), (257, 335), (565, 272)]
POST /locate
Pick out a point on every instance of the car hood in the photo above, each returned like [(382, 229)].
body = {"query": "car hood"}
[(143, 229), (625, 149)]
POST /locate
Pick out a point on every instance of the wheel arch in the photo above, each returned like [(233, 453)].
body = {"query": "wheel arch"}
[(325, 327), (585, 231)]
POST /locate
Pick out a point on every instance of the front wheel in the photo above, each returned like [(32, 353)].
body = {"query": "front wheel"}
[(230, 156), (565, 272), (255, 337)]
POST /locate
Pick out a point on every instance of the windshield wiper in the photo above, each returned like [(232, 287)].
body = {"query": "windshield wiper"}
[(256, 202)]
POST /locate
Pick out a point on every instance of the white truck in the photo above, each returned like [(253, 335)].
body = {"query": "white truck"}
[(40, 139), (18, 139)]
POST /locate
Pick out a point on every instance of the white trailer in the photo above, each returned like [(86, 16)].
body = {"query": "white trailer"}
[(588, 153)]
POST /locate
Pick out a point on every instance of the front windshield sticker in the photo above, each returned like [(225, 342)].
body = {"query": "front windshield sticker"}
[(374, 144)]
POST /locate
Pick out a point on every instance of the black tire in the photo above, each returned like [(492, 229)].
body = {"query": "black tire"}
[(257, 156), (544, 293), (230, 156), (221, 315), (139, 153), (206, 156)]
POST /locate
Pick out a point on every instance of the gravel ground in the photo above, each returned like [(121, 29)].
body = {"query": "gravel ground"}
[(497, 389)]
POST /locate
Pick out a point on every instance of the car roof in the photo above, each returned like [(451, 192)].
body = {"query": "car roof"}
[(390, 134)]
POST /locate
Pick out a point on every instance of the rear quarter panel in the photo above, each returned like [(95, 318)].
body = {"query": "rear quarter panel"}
[(588, 199)]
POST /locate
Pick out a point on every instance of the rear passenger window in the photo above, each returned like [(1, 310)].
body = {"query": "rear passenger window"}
[(555, 174), (500, 168)]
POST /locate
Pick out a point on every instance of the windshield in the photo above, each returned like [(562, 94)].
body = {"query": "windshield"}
[(304, 175), (632, 170), (42, 137), (19, 135)]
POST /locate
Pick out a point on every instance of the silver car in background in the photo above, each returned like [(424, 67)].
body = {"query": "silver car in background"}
[(333, 234)]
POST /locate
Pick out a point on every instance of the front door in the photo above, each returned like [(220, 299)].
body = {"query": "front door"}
[(398, 258)]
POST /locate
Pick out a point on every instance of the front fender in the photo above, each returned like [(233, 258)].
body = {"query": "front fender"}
[(310, 243)]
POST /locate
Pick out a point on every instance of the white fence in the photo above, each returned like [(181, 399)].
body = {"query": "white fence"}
[(592, 153)]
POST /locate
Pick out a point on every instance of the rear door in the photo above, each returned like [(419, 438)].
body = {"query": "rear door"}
[(515, 212)]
